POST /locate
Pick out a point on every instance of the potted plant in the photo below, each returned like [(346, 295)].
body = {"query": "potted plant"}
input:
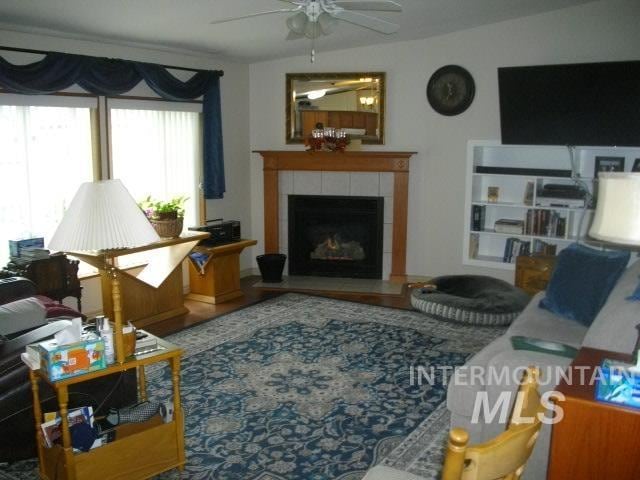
[(167, 217)]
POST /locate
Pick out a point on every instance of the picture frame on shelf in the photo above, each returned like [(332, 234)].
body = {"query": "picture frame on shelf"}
[(492, 194), (636, 165), (608, 164)]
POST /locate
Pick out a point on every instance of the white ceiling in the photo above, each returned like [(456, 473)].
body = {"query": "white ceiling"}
[(184, 25)]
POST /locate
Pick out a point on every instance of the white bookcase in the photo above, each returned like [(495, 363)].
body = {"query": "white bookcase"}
[(485, 247)]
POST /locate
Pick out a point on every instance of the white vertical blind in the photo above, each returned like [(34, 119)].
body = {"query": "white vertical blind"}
[(46, 155), (157, 153)]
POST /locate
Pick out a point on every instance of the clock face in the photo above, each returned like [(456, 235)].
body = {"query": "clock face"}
[(450, 90)]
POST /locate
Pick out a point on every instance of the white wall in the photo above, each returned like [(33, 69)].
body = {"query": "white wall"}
[(235, 113), (600, 31)]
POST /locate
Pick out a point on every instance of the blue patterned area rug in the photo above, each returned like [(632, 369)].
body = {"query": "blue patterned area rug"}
[(309, 388)]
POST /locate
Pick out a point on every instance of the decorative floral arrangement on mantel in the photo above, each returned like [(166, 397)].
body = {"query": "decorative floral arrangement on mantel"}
[(328, 139), (167, 217)]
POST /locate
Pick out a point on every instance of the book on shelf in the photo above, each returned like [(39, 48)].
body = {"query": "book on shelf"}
[(478, 213), (515, 247), (547, 223), (508, 225), (540, 247), (474, 245)]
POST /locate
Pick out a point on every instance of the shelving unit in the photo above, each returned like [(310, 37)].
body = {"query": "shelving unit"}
[(544, 165)]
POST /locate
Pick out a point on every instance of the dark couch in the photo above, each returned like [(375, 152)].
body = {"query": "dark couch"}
[(17, 434)]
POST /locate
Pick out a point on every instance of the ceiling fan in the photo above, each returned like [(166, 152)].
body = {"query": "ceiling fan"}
[(313, 18)]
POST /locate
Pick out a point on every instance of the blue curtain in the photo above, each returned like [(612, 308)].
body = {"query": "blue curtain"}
[(106, 76)]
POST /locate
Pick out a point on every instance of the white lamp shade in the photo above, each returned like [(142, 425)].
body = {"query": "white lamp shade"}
[(102, 215), (617, 217)]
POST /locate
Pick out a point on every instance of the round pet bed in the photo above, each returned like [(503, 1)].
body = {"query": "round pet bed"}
[(470, 299)]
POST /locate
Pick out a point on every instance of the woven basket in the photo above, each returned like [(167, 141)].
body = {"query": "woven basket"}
[(168, 228)]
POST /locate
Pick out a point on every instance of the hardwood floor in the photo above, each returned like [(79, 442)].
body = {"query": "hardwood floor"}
[(200, 311)]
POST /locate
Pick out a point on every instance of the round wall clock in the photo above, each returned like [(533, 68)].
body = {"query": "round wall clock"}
[(450, 90)]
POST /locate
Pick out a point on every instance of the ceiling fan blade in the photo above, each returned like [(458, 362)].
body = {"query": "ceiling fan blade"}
[(367, 21), (232, 19), (379, 6)]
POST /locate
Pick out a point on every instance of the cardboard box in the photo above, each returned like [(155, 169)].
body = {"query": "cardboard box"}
[(64, 361), (16, 246)]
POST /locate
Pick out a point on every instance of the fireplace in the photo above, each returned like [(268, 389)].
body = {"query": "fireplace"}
[(335, 236)]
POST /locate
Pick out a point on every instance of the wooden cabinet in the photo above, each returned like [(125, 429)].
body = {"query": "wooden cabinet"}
[(339, 119), (140, 450), (217, 280), (594, 440), (533, 273)]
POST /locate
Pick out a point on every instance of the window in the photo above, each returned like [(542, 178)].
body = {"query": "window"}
[(157, 153), (46, 155), (47, 152)]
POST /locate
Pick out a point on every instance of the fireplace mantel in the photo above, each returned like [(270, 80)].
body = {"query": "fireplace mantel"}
[(353, 161)]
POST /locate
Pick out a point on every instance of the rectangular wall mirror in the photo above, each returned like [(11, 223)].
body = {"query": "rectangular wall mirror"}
[(349, 100)]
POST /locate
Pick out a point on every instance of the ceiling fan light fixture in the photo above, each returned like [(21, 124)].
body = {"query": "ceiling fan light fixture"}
[(326, 23), (312, 30), (298, 23), (315, 94)]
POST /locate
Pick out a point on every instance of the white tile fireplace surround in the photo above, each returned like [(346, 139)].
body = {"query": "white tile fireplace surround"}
[(383, 174)]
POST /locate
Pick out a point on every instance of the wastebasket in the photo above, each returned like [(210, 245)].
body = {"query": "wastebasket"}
[(271, 266)]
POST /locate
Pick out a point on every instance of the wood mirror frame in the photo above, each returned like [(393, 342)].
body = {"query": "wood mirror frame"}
[(349, 112)]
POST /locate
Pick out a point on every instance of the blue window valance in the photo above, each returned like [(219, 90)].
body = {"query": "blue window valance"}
[(106, 76)]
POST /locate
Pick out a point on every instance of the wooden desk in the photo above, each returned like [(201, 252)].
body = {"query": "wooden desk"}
[(218, 280), (139, 451), (156, 292), (594, 440)]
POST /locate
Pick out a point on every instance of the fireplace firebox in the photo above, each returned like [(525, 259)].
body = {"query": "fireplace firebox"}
[(335, 236)]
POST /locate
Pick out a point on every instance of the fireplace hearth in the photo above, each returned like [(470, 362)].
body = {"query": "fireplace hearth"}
[(335, 236)]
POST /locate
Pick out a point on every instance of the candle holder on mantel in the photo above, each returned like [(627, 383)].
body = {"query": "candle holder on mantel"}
[(327, 139)]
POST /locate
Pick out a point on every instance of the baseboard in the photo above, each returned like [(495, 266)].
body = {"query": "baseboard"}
[(248, 272)]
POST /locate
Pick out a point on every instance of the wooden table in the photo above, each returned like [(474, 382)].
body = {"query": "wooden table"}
[(218, 280), (595, 440), (140, 450), (156, 292)]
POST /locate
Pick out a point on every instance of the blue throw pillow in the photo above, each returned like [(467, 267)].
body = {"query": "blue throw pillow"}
[(582, 280)]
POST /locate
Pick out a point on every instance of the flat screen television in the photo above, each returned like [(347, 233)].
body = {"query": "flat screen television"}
[(574, 104)]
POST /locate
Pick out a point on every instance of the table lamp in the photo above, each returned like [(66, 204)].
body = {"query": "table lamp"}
[(103, 215), (617, 217)]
